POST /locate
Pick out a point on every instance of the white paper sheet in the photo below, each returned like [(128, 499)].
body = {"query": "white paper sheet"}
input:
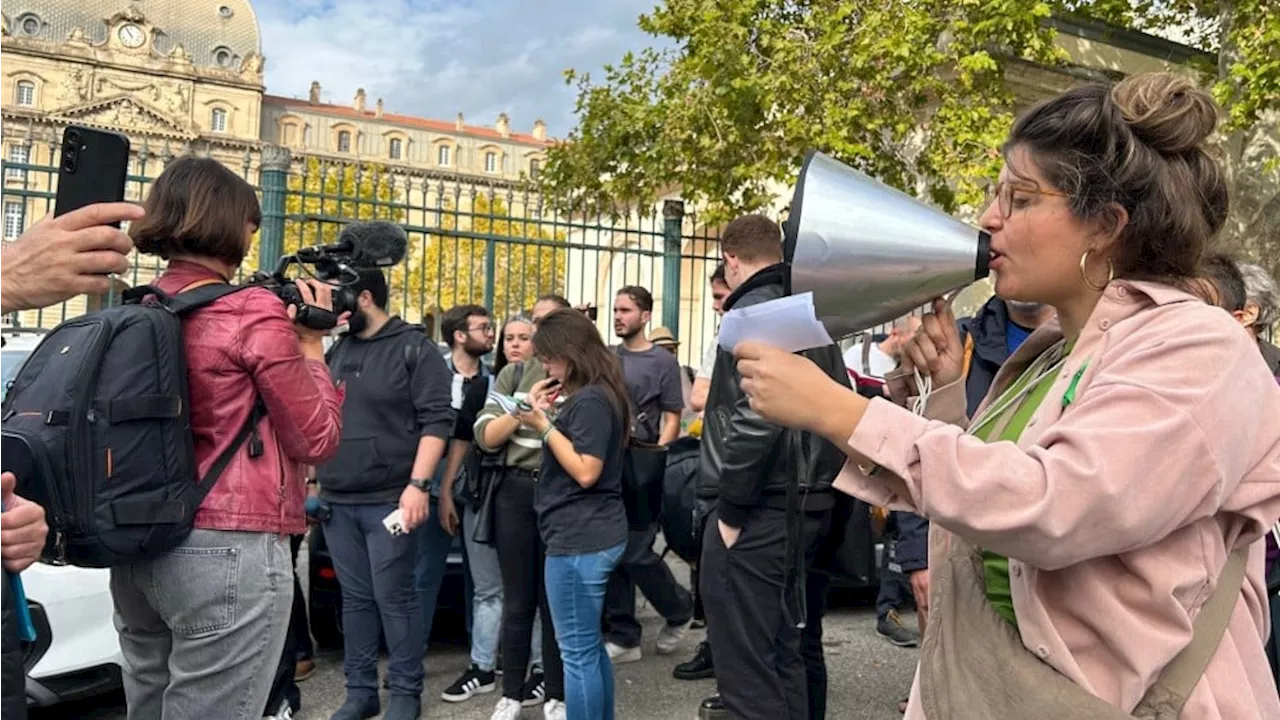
[(788, 323)]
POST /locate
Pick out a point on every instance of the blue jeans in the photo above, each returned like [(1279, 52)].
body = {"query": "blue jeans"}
[(375, 569), (486, 603), (575, 592), (432, 561)]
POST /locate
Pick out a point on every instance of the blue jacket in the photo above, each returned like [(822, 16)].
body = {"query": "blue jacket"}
[(987, 328)]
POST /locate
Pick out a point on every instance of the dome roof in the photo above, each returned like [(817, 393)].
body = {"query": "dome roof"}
[(214, 33)]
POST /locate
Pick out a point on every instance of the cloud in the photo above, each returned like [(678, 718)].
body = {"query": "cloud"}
[(435, 59)]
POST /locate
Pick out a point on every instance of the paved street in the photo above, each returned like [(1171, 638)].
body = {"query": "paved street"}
[(867, 677)]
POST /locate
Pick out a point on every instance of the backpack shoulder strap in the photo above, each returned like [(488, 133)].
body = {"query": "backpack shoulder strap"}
[(249, 429), (201, 294), (519, 371), (412, 351)]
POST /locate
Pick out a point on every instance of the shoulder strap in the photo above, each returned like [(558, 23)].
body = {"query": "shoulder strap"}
[(968, 354), (1180, 676), (250, 428), (519, 371), (412, 351), (865, 339), (200, 294)]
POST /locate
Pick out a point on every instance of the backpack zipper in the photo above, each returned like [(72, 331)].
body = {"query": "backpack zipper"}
[(80, 423)]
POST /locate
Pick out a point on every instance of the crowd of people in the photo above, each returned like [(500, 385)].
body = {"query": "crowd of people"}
[(1082, 499)]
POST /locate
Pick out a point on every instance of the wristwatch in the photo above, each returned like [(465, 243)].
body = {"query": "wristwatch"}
[(422, 484)]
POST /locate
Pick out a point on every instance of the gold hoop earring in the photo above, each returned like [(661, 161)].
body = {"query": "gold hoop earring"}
[(1111, 273)]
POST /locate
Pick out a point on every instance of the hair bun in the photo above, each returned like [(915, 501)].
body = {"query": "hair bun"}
[(1168, 112)]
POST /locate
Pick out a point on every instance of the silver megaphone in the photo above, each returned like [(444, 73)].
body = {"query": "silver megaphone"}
[(870, 253)]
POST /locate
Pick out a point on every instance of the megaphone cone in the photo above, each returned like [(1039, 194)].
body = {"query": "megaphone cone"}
[(870, 253)]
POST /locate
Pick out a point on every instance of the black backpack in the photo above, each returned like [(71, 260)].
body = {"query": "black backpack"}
[(98, 420)]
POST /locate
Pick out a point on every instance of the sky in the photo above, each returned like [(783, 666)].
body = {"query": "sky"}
[(436, 58)]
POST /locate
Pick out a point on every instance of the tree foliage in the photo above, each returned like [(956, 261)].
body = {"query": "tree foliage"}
[(445, 261), (449, 268), (322, 197), (914, 93)]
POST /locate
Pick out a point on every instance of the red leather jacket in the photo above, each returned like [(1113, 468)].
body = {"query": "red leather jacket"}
[(238, 348)]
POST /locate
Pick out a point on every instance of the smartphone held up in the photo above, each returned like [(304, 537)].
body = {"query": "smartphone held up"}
[(93, 168)]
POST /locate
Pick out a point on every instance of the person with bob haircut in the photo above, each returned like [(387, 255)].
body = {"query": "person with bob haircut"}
[(1095, 526), (202, 626)]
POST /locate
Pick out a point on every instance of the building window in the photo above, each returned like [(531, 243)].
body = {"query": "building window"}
[(289, 134), (20, 154), (535, 168), (395, 148), (344, 141), (30, 25), (26, 93), (223, 57), (444, 156), (13, 217), (218, 120), (491, 162)]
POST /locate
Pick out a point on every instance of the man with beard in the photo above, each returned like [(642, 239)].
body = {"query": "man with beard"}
[(653, 382), (469, 333), (395, 421)]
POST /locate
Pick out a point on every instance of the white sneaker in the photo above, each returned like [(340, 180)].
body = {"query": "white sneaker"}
[(507, 709), (620, 655), (554, 710), (671, 637)]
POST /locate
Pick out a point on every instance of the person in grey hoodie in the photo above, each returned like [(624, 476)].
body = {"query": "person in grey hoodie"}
[(395, 421)]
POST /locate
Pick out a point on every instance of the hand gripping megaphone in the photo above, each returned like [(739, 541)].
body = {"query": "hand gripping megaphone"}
[(870, 253)]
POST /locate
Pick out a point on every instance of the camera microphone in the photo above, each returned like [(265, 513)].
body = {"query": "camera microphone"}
[(372, 243)]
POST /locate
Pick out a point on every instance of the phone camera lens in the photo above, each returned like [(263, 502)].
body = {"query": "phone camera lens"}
[(73, 137)]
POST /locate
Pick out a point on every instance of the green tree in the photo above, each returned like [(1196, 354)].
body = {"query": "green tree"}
[(913, 93), (323, 197), (448, 267)]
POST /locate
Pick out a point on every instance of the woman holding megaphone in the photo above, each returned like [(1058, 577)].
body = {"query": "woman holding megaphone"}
[(1095, 548)]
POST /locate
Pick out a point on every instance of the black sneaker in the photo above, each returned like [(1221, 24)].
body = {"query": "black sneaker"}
[(473, 682), (699, 668), (890, 627), (534, 691)]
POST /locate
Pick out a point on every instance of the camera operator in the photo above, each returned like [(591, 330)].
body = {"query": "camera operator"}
[(54, 260), (397, 417), (203, 625)]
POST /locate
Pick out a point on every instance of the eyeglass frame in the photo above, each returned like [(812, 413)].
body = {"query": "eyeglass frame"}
[(995, 193)]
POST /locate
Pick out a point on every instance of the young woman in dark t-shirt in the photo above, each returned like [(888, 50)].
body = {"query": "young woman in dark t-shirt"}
[(579, 497)]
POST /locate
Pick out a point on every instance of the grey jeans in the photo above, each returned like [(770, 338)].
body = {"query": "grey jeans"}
[(203, 625)]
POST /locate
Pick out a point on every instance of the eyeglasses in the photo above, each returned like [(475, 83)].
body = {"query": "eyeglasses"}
[(1002, 193), (485, 329)]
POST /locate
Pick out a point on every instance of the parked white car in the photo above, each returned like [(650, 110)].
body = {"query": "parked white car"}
[(77, 651)]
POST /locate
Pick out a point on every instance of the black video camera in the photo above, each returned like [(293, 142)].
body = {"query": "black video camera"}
[(371, 244)]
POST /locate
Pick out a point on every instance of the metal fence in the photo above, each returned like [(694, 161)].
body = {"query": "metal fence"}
[(471, 240)]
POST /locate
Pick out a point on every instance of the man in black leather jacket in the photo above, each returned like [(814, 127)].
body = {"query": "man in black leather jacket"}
[(772, 492)]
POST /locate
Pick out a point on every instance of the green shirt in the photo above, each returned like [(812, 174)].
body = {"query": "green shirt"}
[(996, 566)]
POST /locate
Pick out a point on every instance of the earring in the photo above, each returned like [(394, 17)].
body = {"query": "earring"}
[(1111, 273)]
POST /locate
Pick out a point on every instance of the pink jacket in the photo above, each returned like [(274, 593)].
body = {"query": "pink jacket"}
[(1119, 513), (239, 348)]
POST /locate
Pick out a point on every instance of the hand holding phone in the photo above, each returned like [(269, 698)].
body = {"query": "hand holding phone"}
[(61, 257)]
